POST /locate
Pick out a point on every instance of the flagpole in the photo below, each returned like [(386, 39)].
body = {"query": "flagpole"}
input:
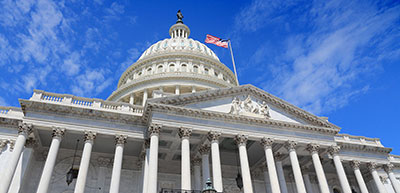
[(233, 61)]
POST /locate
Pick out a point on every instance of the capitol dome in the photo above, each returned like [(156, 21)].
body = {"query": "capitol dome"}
[(174, 65)]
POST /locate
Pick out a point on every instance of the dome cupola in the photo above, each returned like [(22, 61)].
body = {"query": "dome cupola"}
[(174, 65)]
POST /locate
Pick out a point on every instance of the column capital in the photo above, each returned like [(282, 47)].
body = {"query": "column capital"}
[(241, 139), (184, 132), (290, 145), (31, 143), (24, 128), (154, 129), (204, 149), (313, 148), (388, 167), (372, 166), (90, 136), (267, 142), (355, 164), (58, 132), (196, 161), (3, 143), (334, 150), (213, 136), (120, 139)]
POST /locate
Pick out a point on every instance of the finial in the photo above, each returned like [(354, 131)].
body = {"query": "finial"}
[(180, 17)]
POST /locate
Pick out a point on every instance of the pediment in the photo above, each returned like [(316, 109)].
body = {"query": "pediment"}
[(247, 101)]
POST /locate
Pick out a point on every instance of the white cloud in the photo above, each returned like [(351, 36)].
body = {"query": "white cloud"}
[(321, 69), (91, 82), (72, 64)]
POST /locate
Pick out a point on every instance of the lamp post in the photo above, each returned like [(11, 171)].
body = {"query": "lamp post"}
[(209, 188)]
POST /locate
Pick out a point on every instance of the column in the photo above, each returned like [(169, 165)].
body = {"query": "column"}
[(281, 174), (184, 134), (290, 146), (44, 183), (213, 137), (85, 161), (395, 183), (334, 151), (197, 173), (154, 132), (319, 170), (120, 141), (204, 151), (146, 165), (372, 167), (177, 90), (24, 130), (241, 141), (307, 180), (273, 176), (267, 182), (144, 97), (360, 180), (131, 99)]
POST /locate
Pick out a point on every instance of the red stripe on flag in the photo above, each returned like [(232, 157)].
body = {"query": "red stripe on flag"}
[(217, 41)]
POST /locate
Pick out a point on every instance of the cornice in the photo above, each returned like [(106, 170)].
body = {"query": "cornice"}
[(168, 76), (179, 54), (185, 99), (364, 148), (198, 113), (79, 111)]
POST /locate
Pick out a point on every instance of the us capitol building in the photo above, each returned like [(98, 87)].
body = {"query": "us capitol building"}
[(178, 118)]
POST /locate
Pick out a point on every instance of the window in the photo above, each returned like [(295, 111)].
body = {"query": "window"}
[(205, 70), (195, 69), (149, 71), (160, 68), (172, 67), (184, 67)]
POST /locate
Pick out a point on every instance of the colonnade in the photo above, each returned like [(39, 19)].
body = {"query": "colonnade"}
[(200, 165)]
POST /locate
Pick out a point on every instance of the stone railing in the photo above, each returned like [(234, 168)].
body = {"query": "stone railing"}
[(11, 112), (358, 140), (66, 99)]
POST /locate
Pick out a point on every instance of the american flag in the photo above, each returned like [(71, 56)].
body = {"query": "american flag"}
[(217, 41)]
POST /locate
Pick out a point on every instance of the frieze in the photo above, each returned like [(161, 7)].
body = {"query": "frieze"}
[(249, 108)]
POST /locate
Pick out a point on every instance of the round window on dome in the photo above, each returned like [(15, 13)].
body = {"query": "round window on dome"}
[(206, 70), (184, 67), (160, 68), (195, 69), (172, 67), (149, 70)]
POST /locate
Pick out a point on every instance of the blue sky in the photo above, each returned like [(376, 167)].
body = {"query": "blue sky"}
[(339, 58)]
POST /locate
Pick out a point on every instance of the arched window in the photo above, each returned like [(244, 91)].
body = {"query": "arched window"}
[(172, 67), (206, 70), (139, 74), (184, 67), (216, 74), (149, 71), (195, 69), (160, 68)]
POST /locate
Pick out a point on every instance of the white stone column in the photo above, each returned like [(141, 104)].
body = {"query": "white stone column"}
[(319, 170), (334, 151), (44, 183), (273, 176), (197, 173), (290, 146), (144, 97), (154, 132), (241, 141), (120, 141), (131, 99), (24, 130), (184, 134), (372, 167), (177, 90), (85, 161), (213, 137), (267, 182), (395, 183), (280, 172), (360, 180), (146, 165), (204, 151)]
